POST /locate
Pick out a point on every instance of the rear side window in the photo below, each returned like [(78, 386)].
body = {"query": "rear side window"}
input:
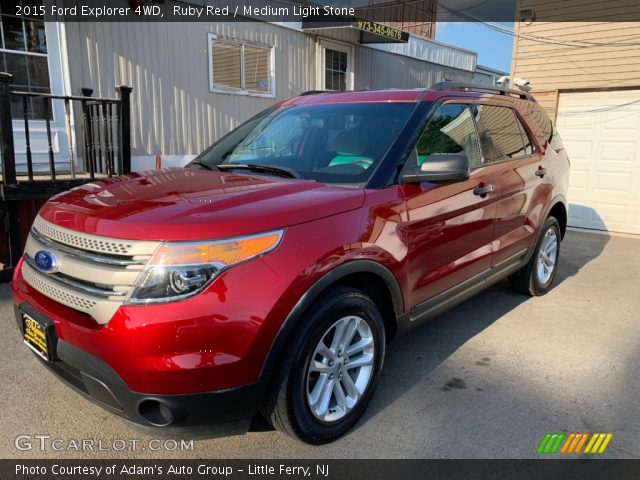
[(502, 137), (450, 130)]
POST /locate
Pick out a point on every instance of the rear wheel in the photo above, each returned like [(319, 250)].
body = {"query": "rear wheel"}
[(536, 277), (330, 370)]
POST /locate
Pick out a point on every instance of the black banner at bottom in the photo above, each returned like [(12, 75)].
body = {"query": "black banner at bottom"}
[(582, 469)]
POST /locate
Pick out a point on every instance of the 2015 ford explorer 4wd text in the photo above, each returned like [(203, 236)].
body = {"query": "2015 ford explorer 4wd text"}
[(269, 274)]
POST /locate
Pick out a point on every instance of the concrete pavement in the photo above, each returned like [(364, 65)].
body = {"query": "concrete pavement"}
[(485, 380)]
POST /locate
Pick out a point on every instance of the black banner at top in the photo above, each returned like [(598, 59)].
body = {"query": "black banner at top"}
[(394, 13)]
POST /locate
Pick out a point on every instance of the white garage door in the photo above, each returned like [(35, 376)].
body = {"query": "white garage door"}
[(601, 131)]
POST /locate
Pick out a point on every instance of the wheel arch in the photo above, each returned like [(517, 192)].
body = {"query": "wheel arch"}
[(559, 211), (371, 277)]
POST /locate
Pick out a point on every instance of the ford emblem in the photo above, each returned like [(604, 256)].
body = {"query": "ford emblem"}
[(46, 261)]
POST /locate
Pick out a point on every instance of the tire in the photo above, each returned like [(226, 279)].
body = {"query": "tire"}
[(533, 279), (289, 404)]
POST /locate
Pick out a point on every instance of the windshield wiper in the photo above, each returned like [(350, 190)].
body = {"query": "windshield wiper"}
[(281, 171)]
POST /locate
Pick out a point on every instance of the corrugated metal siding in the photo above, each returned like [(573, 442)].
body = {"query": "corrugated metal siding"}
[(376, 69), (480, 78), (173, 111), (562, 55), (433, 52), (419, 48)]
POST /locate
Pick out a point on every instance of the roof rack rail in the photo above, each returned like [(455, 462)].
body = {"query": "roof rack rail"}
[(447, 85), (313, 92)]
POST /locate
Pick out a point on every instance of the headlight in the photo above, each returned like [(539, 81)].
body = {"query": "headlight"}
[(179, 270)]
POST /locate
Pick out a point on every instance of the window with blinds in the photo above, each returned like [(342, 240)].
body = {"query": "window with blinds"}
[(227, 63), (238, 67)]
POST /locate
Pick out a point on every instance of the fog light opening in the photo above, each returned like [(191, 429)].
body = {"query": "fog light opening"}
[(156, 413)]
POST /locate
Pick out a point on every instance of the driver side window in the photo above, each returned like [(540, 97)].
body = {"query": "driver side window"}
[(451, 129)]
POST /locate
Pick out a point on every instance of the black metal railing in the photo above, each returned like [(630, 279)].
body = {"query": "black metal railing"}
[(104, 126)]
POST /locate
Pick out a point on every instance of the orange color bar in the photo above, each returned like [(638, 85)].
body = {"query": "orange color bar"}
[(567, 442), (576, 439), (582, 440)]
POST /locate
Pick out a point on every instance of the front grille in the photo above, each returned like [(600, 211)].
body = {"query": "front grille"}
[(90, 281), (52, 291), (81, 241)]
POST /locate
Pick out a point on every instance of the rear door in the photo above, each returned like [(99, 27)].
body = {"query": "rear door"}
[(449, 226), (522, 189)]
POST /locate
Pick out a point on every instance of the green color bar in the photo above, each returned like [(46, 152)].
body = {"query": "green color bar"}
[(555, 447), (547, 448), (543, 443)]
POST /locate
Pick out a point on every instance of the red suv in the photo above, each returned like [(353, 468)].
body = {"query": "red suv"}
[(268, 275)]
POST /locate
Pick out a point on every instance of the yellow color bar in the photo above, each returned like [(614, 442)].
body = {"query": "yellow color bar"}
[(605, 442), (596, 445), (594, 437), (575, 441)]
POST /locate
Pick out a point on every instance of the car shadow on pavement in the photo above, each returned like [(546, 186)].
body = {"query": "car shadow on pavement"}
[(411, 358)]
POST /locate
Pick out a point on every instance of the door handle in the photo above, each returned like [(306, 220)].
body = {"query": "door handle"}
[(482, 190), (541, 172)]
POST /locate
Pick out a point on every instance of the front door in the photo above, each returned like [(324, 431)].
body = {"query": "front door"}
[(449, 226), (335, 66)]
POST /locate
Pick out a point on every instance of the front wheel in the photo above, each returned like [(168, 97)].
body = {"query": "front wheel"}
[(536, 277), (331, 368)]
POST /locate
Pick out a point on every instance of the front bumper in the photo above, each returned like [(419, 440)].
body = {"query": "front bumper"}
[(98, 382)]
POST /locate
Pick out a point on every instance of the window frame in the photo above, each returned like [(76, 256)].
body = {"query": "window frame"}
[(534, 146), (331, 44), (242, 91), (495, 103), (470, 102), (433, 113), (32, 114)]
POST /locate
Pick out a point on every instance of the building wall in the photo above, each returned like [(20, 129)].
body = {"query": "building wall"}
[(376, 69), (487, 76), (563, 55), (173, 112), (586, 74)]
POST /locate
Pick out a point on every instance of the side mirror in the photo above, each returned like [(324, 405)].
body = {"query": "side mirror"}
[(439, 167)]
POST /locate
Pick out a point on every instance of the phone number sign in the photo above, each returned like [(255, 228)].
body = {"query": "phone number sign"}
[(382, 30)]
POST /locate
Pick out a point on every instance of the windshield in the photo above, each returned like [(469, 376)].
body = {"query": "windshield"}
[(330, 143)]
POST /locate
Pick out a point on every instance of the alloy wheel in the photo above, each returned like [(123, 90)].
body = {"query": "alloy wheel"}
[(547, 256), (340, 369)]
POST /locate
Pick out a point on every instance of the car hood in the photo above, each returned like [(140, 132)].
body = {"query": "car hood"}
[(190, 204)]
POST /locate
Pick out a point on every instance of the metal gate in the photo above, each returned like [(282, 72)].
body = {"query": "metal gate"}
[(104, 151)]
